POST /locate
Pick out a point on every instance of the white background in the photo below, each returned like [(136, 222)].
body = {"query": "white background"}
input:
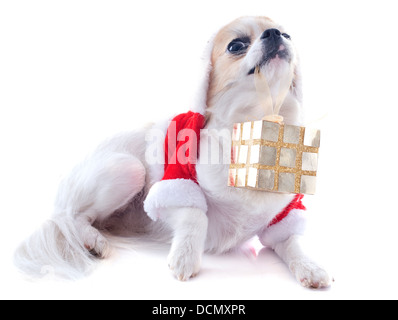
[(75, 72)]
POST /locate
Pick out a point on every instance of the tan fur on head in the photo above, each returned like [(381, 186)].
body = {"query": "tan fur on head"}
[(231, 82), (226, 66)]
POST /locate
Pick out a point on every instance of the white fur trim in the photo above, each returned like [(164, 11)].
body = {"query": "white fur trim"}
[(176, 193), (293, 224)]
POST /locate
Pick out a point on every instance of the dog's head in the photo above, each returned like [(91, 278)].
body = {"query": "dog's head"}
[(235, 53)]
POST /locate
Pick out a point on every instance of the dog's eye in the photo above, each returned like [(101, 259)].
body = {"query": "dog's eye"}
[(238, 46), (287, 36)]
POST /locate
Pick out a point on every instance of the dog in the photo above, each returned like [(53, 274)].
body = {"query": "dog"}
[(117, 190)]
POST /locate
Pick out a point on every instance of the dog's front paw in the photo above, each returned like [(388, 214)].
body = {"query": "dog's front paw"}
[(184, 261), (309, 274)]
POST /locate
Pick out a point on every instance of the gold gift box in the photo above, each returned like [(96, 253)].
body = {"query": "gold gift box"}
[(275, 157)]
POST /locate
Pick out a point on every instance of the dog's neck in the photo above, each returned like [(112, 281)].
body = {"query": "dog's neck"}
[(239, 102), (224, 115)]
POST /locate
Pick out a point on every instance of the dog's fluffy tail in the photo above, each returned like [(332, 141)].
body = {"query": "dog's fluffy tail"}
[(56, 249)]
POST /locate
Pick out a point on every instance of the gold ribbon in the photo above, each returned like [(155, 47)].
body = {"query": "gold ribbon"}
[(272, 110)]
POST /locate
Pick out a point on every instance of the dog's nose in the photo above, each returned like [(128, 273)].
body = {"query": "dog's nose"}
[(271, 34)]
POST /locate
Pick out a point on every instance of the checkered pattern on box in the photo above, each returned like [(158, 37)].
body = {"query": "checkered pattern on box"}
[(273, 157)]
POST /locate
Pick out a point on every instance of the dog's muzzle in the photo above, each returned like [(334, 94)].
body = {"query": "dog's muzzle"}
[(273, 47)]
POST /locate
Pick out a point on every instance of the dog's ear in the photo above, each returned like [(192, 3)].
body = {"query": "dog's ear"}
[(200, 102)]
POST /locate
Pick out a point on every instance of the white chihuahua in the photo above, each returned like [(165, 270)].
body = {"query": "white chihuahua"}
[(117, 189)]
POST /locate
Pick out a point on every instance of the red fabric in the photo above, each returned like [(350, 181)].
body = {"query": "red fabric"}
[(295, 204), (182, 150), (182, 146)]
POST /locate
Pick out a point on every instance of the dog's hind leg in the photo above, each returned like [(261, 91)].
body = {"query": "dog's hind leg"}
[(95, 190), (108, 181)]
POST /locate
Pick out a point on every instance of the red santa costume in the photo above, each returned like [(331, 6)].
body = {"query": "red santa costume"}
[(179, 186)]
